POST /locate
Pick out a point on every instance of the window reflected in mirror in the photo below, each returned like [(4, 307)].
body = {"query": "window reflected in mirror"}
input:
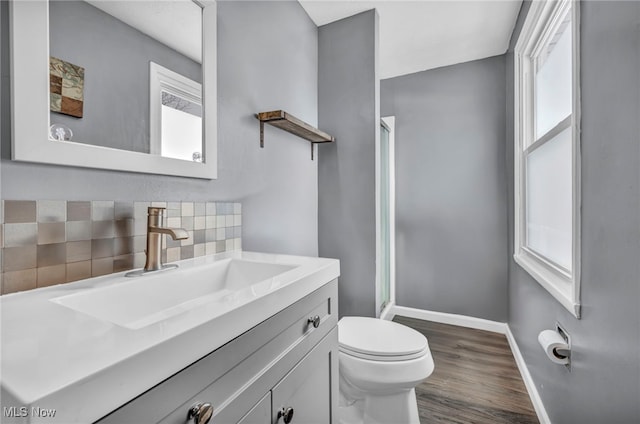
[(176, 114)]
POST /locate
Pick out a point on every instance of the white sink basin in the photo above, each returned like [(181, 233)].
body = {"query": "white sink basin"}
[(73, 346), (145, 300)]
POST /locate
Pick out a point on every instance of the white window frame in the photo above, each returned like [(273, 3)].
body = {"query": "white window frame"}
[(542, 21)]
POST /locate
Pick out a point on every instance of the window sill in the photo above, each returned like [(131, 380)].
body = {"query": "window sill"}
[(558, 284)]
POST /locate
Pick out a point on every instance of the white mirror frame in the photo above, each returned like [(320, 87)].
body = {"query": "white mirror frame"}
[(29, 28)]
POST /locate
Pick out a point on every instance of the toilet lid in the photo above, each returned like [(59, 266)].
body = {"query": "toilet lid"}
[(373, 338)]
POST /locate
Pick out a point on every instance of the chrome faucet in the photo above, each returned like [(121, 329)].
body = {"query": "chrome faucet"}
[(154, 242)]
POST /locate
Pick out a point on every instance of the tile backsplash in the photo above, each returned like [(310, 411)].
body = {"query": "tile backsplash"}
[(47, 242)]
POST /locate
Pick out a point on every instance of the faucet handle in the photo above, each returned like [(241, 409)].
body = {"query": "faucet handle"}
[(155, 210)]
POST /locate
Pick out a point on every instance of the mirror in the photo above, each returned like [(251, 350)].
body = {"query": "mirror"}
[(142, 100)]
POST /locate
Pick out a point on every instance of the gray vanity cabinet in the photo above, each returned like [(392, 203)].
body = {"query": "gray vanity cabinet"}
[(305, 393), (289, 361)]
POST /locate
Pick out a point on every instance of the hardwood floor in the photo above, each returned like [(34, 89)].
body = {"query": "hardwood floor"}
[(476, 379)]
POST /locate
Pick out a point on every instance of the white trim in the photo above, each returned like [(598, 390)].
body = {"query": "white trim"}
[(388, 313), (391, 123), (452, 319), (29, 43), (210, 83), (536, 400), (542, 18), (378, 279), (555, 283)]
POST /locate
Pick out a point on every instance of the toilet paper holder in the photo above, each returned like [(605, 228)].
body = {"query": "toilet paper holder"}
[(564, 352), (556, 344)]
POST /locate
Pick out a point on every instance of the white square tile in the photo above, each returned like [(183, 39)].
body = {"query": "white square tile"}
[(174, 209), (187, 222), (189, 241), (199, 250), (139, 244), (173, 254), (140, 209), (187, 209), (174, 222), (140, 227), (52, 210), (20, 234), (78, 230), (199, 223), (102, 210), (139, 259)]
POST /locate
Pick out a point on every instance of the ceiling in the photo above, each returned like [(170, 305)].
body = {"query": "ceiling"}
[(177, 23), (416, 35)]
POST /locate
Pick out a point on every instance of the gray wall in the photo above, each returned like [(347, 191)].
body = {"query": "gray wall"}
[(116, 59), (451, 212), (348, 107), (279, 212), (604, 384)]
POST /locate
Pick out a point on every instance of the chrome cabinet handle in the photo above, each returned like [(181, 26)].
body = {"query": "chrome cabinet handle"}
[(315, 321), (286, 414), (200, 413)]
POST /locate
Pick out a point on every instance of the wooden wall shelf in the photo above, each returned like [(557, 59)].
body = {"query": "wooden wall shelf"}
[(287, 122)]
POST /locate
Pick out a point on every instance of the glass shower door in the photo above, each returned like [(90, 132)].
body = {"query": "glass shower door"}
[(385, 221)]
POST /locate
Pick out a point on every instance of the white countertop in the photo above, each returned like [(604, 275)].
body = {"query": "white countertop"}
[(53, 357)]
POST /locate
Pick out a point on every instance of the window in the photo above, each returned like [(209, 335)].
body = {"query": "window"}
[(175, 115), (547, 166)]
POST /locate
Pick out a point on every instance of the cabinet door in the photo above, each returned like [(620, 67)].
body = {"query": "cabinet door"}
[(259, 414), (310, 388)]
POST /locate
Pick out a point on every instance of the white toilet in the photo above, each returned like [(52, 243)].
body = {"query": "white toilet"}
[(381, 363)]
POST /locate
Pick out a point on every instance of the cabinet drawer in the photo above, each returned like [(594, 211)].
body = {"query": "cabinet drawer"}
[(310, 388), (236, 376)]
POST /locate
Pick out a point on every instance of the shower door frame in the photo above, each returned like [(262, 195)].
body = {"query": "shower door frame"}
[(383, 311)]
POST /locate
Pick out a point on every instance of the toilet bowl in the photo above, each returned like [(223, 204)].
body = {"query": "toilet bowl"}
[(381, 363)]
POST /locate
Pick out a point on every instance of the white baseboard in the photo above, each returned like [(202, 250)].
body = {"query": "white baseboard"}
[(536, 400), (453, 319), (479, 324)]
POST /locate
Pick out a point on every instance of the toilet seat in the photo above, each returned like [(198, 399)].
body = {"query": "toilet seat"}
[(379, 340)]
